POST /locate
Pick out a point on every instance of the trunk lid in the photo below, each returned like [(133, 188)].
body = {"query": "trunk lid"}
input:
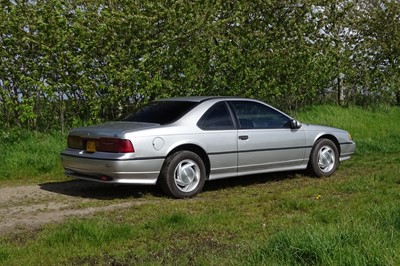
[(113, 129)]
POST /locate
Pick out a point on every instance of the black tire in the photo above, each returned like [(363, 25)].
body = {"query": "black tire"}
[(324, 158), (183, 175)]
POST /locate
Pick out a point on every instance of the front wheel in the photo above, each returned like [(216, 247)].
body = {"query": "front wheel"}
[(324, 158), (183, 175)]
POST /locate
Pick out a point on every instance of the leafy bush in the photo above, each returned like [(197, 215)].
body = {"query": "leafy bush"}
[(66, 63)]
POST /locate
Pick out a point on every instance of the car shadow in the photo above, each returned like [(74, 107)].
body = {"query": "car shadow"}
[(250, 180), (93, 190)]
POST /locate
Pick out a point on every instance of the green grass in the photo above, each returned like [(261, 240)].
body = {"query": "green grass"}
[(374, 130), (351, 218), (27, 157)]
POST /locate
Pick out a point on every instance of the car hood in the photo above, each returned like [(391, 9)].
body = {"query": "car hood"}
[(110, 129), (311, 127)]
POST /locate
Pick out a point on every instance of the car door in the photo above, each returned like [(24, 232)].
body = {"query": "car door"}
[(219, 138), (266, 142)]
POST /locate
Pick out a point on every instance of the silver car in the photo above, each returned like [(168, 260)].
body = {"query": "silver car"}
[(179, 143)]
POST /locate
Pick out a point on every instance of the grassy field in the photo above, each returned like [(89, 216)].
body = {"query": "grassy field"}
[(351, 218), (30, 157)]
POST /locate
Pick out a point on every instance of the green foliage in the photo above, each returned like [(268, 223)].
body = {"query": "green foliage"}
[(381, 47), (68, 63)]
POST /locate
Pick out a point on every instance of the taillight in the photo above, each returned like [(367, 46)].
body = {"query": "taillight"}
[(114, 145), (75, 142)]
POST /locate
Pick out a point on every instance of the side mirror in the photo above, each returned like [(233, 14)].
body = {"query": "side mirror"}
[(294, 124)]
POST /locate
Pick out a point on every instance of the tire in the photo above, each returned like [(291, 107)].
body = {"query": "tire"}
[(183, 175), (324, 158)]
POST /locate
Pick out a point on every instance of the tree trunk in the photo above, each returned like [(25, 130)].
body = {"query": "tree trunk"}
[(340, 95)]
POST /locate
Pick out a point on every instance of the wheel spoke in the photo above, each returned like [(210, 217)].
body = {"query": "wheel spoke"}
[(180, 183), (326, 159), (187, 175)]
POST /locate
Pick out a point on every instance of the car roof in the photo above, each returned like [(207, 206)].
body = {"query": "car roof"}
[(199, 98)]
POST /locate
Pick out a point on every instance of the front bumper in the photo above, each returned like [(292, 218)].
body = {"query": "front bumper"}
[(347, 149)]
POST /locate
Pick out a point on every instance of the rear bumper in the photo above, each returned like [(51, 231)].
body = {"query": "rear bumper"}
[(112, 171)]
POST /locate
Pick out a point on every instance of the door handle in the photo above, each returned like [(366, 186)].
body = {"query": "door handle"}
[(244, 137)]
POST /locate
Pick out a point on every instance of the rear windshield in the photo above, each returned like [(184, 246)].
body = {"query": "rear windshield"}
[(161, 112)]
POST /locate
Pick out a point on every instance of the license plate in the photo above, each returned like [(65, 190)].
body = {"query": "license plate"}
[(91, 146)]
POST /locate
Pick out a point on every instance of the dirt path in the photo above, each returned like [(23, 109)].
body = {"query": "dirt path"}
[(29, 207)]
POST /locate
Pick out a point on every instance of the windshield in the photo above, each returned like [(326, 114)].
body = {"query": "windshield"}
[(161, 112)]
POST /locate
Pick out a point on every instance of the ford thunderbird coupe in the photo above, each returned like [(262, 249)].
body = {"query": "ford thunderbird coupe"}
[(179, 143)]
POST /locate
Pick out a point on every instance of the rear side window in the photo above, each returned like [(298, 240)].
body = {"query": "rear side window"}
[(216, 118), (162, 112)]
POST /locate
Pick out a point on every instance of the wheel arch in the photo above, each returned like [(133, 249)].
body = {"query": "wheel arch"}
[(332, 138), (196, 149), (325, 168)]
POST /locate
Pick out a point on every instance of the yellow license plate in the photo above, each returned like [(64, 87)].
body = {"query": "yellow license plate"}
[(91, 146)]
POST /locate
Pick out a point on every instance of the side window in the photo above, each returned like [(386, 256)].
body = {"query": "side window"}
[(257, 115), (216, 118)]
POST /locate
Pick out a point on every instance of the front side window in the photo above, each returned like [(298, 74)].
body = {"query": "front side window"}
[(257, 115), (216, 118), (161, 112)]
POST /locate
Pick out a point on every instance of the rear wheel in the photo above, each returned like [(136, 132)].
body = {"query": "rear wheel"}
[(183, 175), (324, 158)]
